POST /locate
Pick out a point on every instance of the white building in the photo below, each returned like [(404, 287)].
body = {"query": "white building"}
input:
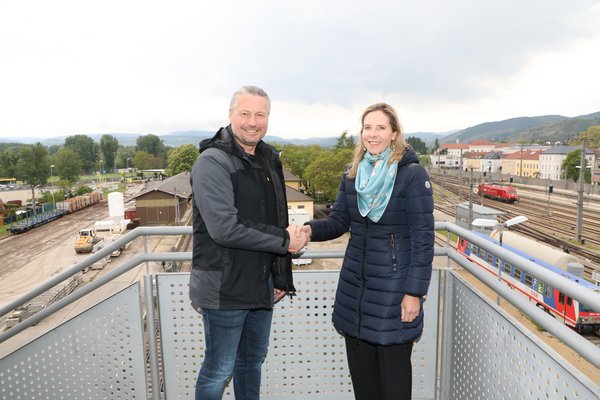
[(552, 158)]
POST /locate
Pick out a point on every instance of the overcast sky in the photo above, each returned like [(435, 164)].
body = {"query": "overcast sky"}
[(127, 66)]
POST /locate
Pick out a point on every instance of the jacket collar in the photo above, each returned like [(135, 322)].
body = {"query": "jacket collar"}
[(225, 140)]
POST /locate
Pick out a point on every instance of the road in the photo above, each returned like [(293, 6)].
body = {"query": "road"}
[(30, 258)]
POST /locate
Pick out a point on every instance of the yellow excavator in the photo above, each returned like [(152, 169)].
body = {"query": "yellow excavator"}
[(86, 241)]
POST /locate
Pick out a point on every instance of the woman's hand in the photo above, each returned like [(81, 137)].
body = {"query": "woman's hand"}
[(410, 308)]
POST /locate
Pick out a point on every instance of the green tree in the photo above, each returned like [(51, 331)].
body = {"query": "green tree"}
[(181, 159), (345, 141), (124, 153), (417, 144), (109, 146), (591, 135), (436, 145), (53, 149), (151, 144), (425, 160), (571, 164), (142, 160), (8, 163), (33, 167), (87, 149), (325, 172), (296, 158), (68, 165)]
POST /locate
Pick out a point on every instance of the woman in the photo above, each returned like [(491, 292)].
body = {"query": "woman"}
[(386, 202)]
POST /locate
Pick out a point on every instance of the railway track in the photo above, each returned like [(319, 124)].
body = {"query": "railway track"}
[(593, 338), (551, 221)]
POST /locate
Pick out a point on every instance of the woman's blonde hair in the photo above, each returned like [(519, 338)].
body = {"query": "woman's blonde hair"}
[(398, 146)]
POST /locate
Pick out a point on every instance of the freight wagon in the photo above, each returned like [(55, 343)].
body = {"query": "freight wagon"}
[(79, 202)]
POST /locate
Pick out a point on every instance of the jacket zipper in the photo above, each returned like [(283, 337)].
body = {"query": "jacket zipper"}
[(394, 261), (362, 271)]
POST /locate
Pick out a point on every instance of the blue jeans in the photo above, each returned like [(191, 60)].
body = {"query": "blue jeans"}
[(236, 344)]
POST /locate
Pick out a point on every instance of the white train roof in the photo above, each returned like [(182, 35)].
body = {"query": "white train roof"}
[(536, 249)]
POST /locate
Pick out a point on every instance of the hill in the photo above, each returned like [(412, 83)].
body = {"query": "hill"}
[(176, 139), (544, 128)]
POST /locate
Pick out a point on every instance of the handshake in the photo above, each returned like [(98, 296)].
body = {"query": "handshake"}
[(299, 237)]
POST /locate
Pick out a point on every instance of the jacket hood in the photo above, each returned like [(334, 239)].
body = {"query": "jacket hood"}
[(410, 156), (223, 140)]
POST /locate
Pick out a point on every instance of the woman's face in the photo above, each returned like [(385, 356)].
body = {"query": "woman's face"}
[(377, 132)]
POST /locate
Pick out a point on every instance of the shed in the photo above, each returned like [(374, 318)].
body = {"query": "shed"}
[(164, 202), (479, 211)]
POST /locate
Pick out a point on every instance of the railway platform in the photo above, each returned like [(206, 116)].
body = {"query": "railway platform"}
[(145, 340)]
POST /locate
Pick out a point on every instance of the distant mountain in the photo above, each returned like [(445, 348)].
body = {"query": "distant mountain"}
[(531, 129), (176, 139), (538, 129)]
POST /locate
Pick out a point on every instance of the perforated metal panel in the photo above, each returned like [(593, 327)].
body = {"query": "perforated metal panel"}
[(97, 355), (182, 338), (306, 358), (491, 355)]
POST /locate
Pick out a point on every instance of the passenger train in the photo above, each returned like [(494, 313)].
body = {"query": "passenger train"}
[(557, 304)]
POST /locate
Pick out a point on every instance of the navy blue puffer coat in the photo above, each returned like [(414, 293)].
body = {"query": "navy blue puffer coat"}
[(384, 260)]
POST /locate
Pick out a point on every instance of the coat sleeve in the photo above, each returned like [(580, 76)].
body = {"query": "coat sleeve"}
[(421, 226), (213, 195), (337, 222)]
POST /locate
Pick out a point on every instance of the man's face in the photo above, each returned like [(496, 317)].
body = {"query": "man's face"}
[(249, 120)]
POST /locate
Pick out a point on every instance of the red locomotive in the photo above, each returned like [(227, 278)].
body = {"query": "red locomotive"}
[(497, 192)]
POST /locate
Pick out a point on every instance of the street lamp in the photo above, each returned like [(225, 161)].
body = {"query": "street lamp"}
[(492, 223), (52, 190), (128, 158)]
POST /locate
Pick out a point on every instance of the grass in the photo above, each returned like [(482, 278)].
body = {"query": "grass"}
[(4, 230), (453, 237)]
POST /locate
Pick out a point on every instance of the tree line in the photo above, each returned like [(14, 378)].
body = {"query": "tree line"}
[(79, 155), (318, 168)]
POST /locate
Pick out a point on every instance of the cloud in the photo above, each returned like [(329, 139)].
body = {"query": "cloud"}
[(155, 67)]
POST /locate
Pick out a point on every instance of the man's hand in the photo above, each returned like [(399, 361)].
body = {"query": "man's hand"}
[(306, 229), (298, 239), (278, 294)]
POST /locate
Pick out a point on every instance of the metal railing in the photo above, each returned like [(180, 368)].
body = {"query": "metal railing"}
[(448, 372)]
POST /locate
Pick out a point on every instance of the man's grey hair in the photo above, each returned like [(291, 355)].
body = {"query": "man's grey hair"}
[(252, 90)]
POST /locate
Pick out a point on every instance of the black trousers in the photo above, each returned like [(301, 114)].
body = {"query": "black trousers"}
[(379, 372)]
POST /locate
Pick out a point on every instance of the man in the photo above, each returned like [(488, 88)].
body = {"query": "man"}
[(241, 253)]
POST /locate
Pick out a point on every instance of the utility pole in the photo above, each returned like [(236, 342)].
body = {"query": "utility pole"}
[(580, 192), (521, 166), (482, 182), (549, 190), (52, 183), (460, 167), (471, 200)]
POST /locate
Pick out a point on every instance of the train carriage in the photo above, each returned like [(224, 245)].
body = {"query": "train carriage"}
[(498, 192), (559, 305)]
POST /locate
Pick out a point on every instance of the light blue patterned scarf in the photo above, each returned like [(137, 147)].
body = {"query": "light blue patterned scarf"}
[(374, 183)]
